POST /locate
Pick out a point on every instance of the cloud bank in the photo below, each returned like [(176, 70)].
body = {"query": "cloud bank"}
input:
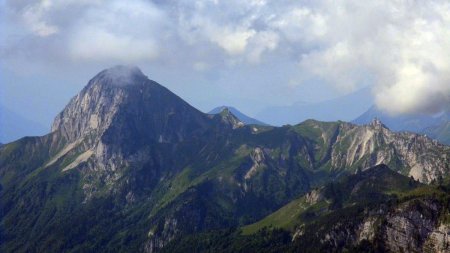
[(400, 47)]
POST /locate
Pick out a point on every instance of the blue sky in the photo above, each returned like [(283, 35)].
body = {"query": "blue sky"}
[(250, 54)]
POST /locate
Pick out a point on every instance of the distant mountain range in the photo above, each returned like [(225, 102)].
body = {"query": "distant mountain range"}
[(241, 116), (344, 108), (440, 132), (131, 167), (13, 126), (436, 126)]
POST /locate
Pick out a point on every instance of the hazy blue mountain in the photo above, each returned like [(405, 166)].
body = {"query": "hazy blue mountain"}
[(414, 122), (343, 108), (241, 116), (439, 132), (13, 126), (435, 126)]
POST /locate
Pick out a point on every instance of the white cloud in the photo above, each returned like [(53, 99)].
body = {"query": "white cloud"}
[(300, 25), (401, 46), (120, 31), (233, 42), (94, 43), (260, 43), (34, 18)]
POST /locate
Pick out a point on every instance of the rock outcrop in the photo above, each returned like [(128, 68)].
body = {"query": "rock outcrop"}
[(362, 147), (126, 155)]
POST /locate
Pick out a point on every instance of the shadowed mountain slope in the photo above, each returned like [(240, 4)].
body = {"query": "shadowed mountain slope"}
[(130, 166)]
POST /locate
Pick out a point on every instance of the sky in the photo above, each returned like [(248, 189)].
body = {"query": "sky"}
[(250, 54)]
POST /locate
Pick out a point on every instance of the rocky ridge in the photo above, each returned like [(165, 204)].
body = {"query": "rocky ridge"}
[(127, 145)]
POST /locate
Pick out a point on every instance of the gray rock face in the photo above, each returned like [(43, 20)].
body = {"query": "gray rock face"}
[(314, 196), (123, 97), (408, 227), (412, 227), (258, 159), (109, 125), (227, 118), (91, 111), (438, 240), (435, 126), (128, 138), (369, 145)]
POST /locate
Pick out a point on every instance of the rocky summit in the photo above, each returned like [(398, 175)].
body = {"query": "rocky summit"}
[(131, 167)]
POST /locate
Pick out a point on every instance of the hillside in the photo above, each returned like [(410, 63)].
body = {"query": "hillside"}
[(376, 210), (130, 166)]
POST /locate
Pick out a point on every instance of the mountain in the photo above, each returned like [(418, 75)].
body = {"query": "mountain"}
[(342, 108), (129, 167), (440, 132), (376, 210), (242, 117), (374, 184), (435, 126), (13, 126), (411, 122)]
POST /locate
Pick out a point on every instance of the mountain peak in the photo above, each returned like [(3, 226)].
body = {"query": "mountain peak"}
[(120, 76), (377, 123), (124, 99), (229, 118), (223, 110)]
